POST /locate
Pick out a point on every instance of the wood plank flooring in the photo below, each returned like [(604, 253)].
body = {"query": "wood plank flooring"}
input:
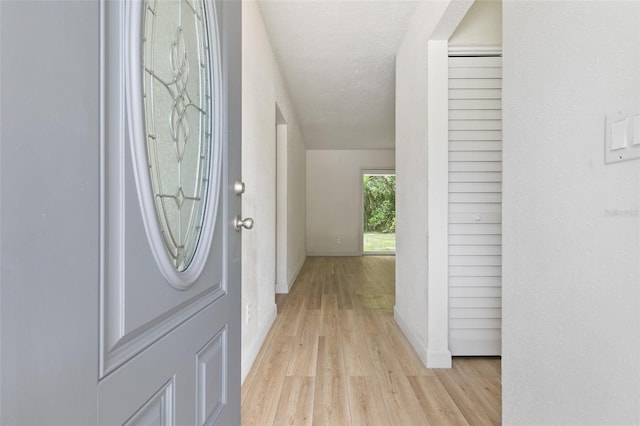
[(335, 356)]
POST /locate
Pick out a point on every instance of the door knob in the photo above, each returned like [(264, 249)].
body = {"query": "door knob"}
[(240, 223)]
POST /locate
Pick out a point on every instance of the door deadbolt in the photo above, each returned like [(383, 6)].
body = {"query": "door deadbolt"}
[(238, 187)]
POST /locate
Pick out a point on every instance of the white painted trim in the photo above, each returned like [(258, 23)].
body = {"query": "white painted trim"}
[(292, 279), (418, 346), (484, 50), (438, 359), (438, 353), (333, 253), (282, 199), (249, 356), (450, 19)]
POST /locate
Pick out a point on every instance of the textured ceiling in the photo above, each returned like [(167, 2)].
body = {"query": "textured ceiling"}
[(338, 60)]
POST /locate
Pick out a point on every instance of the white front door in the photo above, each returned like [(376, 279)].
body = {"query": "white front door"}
[(170, 284)]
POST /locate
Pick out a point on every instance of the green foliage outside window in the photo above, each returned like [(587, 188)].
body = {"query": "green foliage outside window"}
[(379, 203)]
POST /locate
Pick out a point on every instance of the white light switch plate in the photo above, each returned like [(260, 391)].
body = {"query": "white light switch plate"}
[(622, 134), (635, 125)]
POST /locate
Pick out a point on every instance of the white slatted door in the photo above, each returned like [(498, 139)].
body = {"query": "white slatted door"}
[(475, 205)]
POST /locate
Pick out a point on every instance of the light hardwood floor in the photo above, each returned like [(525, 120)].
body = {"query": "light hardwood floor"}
[(335, 356)]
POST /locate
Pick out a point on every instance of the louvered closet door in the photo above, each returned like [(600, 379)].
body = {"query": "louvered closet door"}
[(475, 205)]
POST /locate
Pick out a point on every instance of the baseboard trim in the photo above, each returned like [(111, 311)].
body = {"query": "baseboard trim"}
[(420, 349), (438, 359), (295, 275), (336, 254), (430, 358), (284, 289), (249, 356)]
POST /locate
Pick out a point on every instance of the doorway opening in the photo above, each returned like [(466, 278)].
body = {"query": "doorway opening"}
[(378, 212)]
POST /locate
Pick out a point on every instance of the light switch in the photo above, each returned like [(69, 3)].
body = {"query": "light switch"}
[(635, 130), (619, 130), (622, 133)]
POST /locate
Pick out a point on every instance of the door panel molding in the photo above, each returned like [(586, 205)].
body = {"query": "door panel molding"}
[(212, 379), (152, 333), (128, 345), (117, 344), (123, 392), (158, 410)]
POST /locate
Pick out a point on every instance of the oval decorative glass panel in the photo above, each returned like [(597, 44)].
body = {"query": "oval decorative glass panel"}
[(175, 116)]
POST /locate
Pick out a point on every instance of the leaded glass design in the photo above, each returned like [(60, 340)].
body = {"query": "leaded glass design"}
[(177, 118)]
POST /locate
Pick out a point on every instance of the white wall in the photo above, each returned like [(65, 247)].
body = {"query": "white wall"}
[(430, 20), (296, 201), (571, 272), (262, 89), (411, 179), (481, 26), (334, 198), (474, 26), (294, 191)]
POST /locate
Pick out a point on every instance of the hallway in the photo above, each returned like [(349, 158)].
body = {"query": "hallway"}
[(335, 356)]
